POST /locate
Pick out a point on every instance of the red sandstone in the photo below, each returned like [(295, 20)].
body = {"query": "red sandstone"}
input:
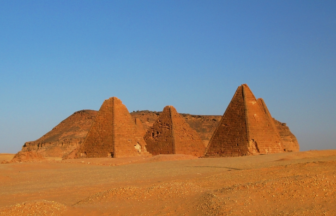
[(65, 139), (246, 128), (113, 134), (170, 134), (288, 139)]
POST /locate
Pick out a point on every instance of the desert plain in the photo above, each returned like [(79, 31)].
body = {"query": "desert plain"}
[(291, 183)]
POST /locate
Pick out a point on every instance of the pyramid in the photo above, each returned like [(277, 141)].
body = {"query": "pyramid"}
[(170, 134), (113, 133), (246, 128), (140, 127)]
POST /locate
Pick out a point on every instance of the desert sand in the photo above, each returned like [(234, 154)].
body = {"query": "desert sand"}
[(294, 183)]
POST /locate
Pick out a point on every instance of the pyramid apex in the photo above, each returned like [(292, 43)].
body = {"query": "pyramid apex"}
[(113, 98), (260, 99), (169, 107), (247, 92), (243, 87)]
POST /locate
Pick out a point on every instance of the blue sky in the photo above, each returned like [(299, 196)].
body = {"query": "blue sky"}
[(58, 57)]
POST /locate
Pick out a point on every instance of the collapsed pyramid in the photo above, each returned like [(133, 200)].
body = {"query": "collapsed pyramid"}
[(113, 133), (170, 134), (246, 128)]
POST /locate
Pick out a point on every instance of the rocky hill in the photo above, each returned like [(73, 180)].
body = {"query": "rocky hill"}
[(65, 137), (71, 132)]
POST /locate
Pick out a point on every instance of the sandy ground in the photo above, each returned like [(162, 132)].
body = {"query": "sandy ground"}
[(6, 157), (302, 183)]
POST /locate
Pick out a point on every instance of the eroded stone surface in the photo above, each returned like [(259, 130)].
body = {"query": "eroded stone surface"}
[(246, 128), (170, 134), (204, 125), (288, 139), (113, 134), (230, 137), (64, 139), (261, 130)]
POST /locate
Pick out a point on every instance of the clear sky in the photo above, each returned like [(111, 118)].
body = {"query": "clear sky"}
[(58, 57)]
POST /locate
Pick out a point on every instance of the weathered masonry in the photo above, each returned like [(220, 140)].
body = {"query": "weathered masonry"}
[(170, 134), (246, 128), (114, 133)]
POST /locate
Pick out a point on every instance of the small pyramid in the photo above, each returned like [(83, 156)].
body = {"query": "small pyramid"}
[(170, 134), (246, 128), (113, 134)]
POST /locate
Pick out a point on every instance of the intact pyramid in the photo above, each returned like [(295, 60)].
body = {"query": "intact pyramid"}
[(246, 128), (113, 133), (170, 134)]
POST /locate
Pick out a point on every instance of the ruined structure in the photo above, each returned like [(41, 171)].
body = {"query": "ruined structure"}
[(288, 139), (204, 125), (113, 133), (65, 139), (170, 134), (246, 128)]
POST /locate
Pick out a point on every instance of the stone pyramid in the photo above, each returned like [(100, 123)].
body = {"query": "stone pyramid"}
[(170, 134), (113, 133), (246, 128), (140, 127)]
